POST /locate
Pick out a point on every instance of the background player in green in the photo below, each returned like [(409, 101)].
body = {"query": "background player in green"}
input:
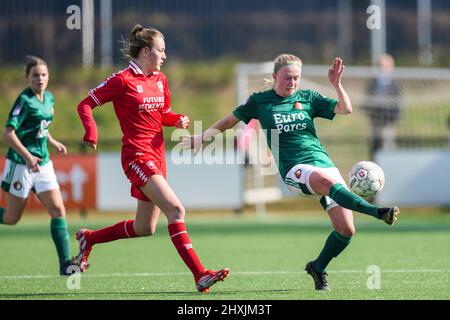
[(28, 165), (286, 113)]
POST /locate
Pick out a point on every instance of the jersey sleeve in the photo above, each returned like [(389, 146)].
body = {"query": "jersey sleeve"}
[(108, 90), (323, 107), (170, 119), (84, 110), (167, 103), (247, 111), (18, 113)]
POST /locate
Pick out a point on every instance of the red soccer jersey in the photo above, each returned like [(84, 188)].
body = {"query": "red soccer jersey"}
[(139, 102)]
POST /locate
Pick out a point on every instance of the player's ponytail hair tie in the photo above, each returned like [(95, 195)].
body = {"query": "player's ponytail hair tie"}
[(135, 36), (138, 38), (137, 28)]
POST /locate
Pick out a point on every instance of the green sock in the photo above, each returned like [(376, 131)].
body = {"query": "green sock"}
[(349, 200), (334, 245), (60, 236), (2, 211)]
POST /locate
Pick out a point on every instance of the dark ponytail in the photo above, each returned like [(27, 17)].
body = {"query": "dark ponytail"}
[(137, 39)]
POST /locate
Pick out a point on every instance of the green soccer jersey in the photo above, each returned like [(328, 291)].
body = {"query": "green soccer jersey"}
[(31, 118), (289, 127)]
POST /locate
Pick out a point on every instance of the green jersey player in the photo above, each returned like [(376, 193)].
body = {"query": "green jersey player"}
[(28, 165), (286, 114)]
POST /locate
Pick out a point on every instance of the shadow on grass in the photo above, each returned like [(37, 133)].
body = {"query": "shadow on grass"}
[(163, 295)]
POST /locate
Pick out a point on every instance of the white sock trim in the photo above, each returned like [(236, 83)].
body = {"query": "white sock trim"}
[(176, 234), (125, 227)]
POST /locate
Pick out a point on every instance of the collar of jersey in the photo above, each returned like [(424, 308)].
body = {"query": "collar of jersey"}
[(137, 70), (32, 96), (292, 97)]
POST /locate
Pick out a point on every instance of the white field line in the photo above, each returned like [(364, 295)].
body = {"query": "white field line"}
[(246, 273)]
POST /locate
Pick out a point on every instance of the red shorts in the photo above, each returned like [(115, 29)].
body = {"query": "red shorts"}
[(139, 171)]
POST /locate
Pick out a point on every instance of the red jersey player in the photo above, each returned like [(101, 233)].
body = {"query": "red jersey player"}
[(141, 98)]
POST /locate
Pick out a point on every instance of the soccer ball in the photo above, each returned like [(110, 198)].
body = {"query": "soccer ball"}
[(366, 178)]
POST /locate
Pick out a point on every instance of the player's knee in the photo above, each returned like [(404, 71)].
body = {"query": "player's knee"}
[(179, 212), (57, 211), (326, 184), (175, 213), (321, 183), (347, 231)]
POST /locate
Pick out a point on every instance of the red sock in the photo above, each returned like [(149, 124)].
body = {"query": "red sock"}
[(121, 230), (182, 243)]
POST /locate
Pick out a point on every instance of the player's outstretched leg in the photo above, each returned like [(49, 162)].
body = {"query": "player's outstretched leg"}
[(389, 215), (164, 198), (347, 199), (208, 278), (88, 238)]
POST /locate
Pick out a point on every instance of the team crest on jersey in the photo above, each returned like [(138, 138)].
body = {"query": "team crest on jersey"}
[(160, 86), (151, 164), (139, 88), (298, 106)]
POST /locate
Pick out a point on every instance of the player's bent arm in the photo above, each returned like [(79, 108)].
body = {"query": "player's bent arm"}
[(58, 145), (50, 138), (84, 110), (11, 139), (344, 106), (227, 122), (195, 142)]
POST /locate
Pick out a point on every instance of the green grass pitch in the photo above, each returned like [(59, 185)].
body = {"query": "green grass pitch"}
[(266, 257)]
